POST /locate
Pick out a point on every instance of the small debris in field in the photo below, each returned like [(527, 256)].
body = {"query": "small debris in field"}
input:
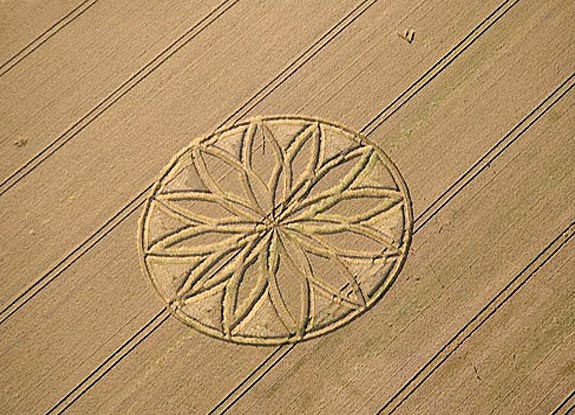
[(408, 35), (476, 373), (21, 142)]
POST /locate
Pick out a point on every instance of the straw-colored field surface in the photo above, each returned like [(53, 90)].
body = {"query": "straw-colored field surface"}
[(398, 240)]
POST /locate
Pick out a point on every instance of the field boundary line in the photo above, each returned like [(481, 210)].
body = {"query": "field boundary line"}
[(566, 406), (111, 362), (129, 84), (439, 66), (511, 137), (35, 288), (500, 299), (255, 376), (46, 35)]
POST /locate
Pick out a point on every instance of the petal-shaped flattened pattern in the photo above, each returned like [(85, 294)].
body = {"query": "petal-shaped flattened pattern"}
[(197, 240), (206, 208), (172, 273), (333, 280), (332, 178), (353, 205), (289, 287), (183, 177), (319, 248), (163, 221), (261, 150), (214, 269), (341, 172), (215, 188), (262, 325), (252, 287), (304, 155), (328, 309), (204, 308), (347, 240), (228, 172), (249, 275), (263, 160)]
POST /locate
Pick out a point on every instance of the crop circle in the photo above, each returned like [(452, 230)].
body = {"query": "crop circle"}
[(275, 230)]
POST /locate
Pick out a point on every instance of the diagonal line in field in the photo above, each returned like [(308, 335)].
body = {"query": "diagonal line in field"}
[(24, 170), (46, 35), (567, 406)]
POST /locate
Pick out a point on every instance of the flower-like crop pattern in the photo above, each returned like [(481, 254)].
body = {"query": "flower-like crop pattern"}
[(275, 230)]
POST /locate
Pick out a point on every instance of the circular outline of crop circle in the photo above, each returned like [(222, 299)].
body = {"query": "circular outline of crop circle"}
[(385, 284)]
